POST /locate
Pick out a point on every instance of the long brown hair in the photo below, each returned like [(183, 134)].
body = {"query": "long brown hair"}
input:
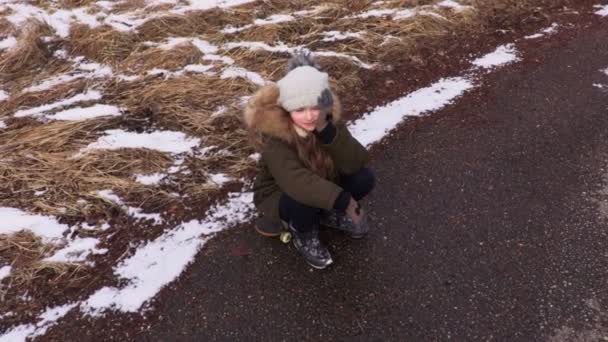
[(308, 148), (312, 154)]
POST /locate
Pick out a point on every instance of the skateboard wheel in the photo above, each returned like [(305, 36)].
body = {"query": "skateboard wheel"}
[(285, 237)]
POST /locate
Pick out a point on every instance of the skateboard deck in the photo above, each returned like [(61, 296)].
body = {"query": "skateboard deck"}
[(270, 228)]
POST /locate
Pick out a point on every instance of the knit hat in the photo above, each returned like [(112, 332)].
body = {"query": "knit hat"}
[(304, 86)]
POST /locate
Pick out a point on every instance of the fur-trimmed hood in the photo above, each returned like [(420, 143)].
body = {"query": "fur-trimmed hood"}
[(264, 115)]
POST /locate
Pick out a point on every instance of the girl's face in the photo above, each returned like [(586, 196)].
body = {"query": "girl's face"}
[(306, 118)]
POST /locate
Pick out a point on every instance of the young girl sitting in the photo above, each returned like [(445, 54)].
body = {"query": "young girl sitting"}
[(312, 170)]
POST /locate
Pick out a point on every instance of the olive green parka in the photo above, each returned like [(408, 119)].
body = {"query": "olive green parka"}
[(281, 170)]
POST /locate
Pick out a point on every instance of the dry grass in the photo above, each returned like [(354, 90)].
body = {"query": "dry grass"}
[(173, 59), (29, 56), (75, 3), (170, 26), (25, 100), (24, 251), (101, 44), (185, 103)]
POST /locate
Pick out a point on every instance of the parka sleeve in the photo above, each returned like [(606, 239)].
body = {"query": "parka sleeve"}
[(348, 154), (296, 180)]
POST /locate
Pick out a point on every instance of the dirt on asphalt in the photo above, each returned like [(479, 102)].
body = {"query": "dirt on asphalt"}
[(487, 226)]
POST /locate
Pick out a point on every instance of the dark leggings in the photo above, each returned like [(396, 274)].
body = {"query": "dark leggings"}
[(304, 217)]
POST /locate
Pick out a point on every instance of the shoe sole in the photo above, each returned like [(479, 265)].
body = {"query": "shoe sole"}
[(267, 234), (320, 267)]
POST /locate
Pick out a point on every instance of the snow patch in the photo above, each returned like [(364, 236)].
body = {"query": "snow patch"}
[(254, 77), (3, 95), (2, 124), (373, 126), (331, 36), (452, 5), (5, 271), (504, 54), (162, 260), (163, 141), (90, 95), (14, 220), (77, 250), (534, 36), (602, 10), (8, 43), (79, 113), (45, 320), (152, 179)]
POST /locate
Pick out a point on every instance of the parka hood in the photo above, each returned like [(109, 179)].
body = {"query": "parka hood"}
[(264, 115)]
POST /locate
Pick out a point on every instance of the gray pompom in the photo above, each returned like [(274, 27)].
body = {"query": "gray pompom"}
[(325, 100), (302, 58)]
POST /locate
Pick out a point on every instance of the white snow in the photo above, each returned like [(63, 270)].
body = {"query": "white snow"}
[(45, 320), (90, 95), (534, 36), (254, 77), (8, 43), (274, 19), (199, 5), (281, 47), (453, 5), (14, 220), (110, 196), (2, 124), (605, 71), (551, 29), (394, 13), (3, 95), (5, 271), (548, 31), (135, 212), (53, 81), (152, 179), (198, 68), (164, 141), (602, 10), (504, 54), (331, 36), (373, 126), (138, 213), (80, 113), (219, 179), (162, 260), (77, 250)]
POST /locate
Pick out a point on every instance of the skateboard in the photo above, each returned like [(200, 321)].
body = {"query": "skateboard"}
[(270, 228)]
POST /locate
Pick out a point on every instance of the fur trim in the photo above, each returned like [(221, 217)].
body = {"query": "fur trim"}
[(264, 115)]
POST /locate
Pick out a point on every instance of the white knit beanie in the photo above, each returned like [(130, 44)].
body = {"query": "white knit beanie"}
[(302, 87)]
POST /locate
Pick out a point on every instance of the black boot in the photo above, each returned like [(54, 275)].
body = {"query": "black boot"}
[(341, 221), (310, 247)]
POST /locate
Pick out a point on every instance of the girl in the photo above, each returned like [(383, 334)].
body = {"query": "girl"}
[(312, 169)]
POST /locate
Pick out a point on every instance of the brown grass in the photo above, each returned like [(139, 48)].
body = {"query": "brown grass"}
[(24, 251), (25, 100), (184, 103), (75, 3), (102, 44), (170, 26), (29, 56), (173, 59)]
